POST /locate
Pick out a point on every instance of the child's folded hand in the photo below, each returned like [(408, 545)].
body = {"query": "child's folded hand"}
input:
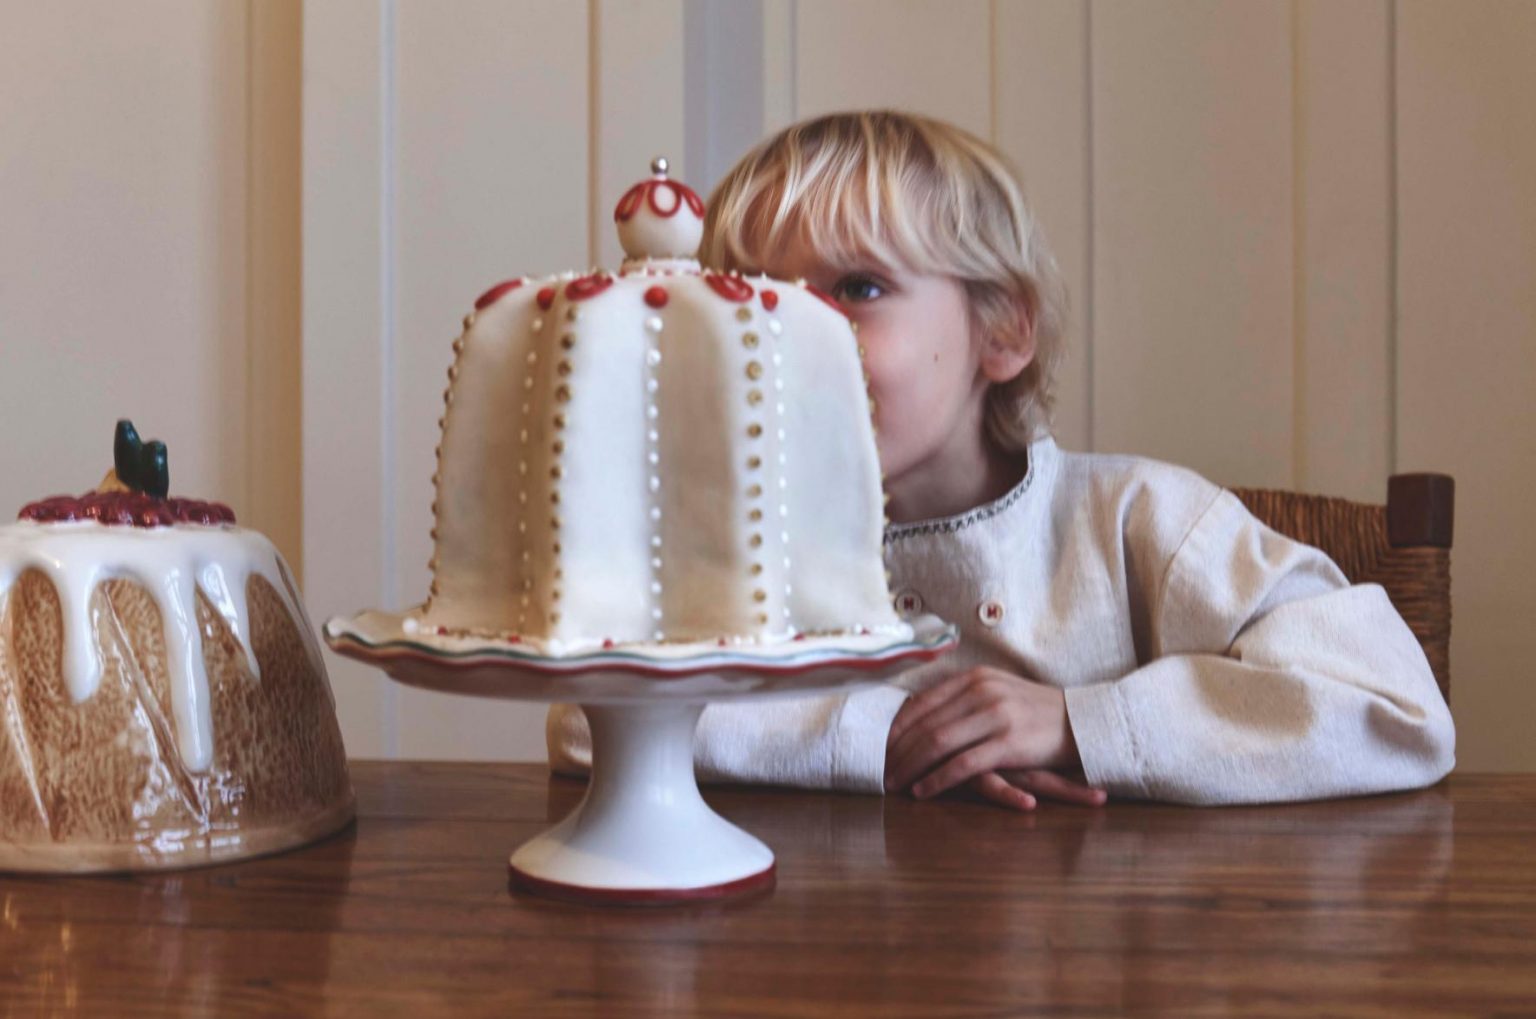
[(998, 734)]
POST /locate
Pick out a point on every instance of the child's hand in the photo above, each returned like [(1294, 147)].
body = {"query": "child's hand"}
[(996, 733)]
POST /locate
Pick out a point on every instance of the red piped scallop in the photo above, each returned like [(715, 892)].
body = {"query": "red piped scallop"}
[(495, 294), (731, 288), (546, 297), (656, 297), (770, 299), (831, 301), (126, 509), (588, 286), (647, 190)]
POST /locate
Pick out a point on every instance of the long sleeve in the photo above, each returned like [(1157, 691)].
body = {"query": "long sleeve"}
[(1270, 678), (818, 742)]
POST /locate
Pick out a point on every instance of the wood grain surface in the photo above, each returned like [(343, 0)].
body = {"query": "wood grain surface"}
[(1415, 904)]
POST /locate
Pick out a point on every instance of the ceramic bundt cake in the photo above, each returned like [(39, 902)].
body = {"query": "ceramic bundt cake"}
[(647, 456), (165, 703)]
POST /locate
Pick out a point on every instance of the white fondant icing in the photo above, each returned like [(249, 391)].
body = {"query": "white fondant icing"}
[(171, 564), (653, 478)]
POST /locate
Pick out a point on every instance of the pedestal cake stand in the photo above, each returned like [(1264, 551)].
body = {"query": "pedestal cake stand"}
[(642, 834)]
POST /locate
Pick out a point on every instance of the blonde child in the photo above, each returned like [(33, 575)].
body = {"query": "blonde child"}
[(1127, 627)]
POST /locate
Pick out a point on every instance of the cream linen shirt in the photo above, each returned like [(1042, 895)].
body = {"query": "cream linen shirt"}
[(1205, 658)]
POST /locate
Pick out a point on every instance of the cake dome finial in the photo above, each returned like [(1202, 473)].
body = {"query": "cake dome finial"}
[(660, 217)]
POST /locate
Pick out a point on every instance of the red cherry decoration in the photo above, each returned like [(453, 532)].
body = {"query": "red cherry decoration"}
[(546, 297), (587, 286), (495, 294), (656, 297), (770, 299), (731, 288)]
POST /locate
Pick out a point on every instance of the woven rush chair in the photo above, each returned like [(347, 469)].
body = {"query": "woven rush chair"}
[(1405, 546)]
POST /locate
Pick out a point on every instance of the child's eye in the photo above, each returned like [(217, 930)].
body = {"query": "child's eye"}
[(858, 288)]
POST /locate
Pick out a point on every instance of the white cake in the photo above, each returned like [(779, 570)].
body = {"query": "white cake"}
[(662, 455)]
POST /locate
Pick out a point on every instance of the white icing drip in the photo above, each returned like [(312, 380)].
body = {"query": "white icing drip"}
[(171, 563)]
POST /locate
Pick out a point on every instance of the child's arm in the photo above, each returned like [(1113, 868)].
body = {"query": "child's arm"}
[(1271, 678), (816, 742)]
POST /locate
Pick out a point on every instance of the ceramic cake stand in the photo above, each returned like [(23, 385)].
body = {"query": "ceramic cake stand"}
[(642, 834)]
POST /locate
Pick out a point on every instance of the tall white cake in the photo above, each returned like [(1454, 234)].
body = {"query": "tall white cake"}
[(662, 455)]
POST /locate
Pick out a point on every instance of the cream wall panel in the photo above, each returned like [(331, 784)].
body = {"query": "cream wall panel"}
[(349, 534), (927, 56), (1467, 339), (1343, 217), (1042, 124), (123, 258), (1192, 314), (638, 113), (491, 170)]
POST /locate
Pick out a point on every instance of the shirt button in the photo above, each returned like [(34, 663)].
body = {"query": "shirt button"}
[(990, 612), (909, 603)]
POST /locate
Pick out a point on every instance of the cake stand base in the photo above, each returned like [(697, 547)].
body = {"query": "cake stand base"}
[(642, 834)]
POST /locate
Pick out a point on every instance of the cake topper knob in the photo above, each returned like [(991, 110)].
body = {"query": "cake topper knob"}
[(660, 217)]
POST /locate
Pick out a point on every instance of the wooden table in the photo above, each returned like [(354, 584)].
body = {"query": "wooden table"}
[(1416, 904)]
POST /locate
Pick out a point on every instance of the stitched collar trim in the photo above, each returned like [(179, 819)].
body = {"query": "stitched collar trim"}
[(960, 521)]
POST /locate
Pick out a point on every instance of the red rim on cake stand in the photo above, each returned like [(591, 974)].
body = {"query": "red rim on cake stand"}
[(642, 834)]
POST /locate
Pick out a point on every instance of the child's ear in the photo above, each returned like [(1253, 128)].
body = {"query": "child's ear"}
[(1004, 357)]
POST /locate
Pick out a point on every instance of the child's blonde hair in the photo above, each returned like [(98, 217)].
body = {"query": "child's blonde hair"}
[(916, 193)]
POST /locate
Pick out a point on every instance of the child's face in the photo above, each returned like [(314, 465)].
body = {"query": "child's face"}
[(924, 366)]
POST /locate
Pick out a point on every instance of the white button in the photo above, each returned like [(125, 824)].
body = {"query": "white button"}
[(908, 603), (990, 612)]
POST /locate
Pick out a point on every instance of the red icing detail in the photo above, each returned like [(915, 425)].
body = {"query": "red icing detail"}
[(514, 639), (126, 509), (831, 301), (588, 286), (720, 642), (731, 288), (656, 297), (799, 636), (647, 190), (494, 294), (546, 297), (629, 203), (770, 299), (607, 643)]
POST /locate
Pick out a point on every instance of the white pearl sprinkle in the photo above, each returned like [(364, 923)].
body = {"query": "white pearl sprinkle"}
[(655, 483), (653, 324), (533, 356), (784, 537), (652, 385), (781, 435), (654, 457), (653, 356), (528, 382), (783, 510), (656, 541), (778, 358), (656, 564), (538, 324), (527, 408), (655, 587), (778, 384), (650, 412), (653, 435), (656, 614), (655, 512), (658, 636), (774, 327)]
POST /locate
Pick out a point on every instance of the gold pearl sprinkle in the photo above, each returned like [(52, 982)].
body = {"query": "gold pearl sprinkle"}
[(755, 515), (756, 541), (754, 430), (754, 370), (469, 320), (554, 523), (554, 595), (563, 368), (563, 394), (556, 548), (554, 617), (567, 341), (744, 314), (558, 447), (762, 618), (554, 497), (754, 491), (756, 569), (749, 340), (559, 420), (559, 574), (571, 314), (754, 396), (556, 471), (754, 462), (853, 325), (759, 596)]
